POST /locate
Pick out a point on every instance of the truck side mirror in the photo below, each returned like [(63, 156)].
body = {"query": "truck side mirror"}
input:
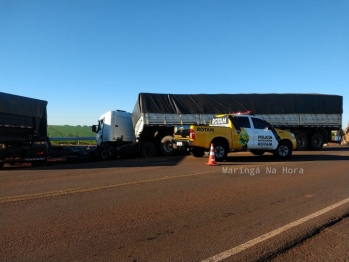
[(94, 128)]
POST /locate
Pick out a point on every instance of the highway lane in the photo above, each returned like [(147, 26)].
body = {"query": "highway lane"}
[(168, 209)]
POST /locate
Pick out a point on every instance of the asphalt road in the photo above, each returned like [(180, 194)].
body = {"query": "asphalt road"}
[(249, 208)]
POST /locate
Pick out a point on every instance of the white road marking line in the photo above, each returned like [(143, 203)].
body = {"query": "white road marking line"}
[(271, 234)]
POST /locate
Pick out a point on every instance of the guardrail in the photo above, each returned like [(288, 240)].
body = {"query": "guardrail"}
[(73, 138)]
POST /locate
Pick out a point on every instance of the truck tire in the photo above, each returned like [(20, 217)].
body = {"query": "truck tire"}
[(302, 141), (166, 146), (283, 151), (148, 149), (197, 152), (220, 151), (104, 154), (257, 152), (316, 141)]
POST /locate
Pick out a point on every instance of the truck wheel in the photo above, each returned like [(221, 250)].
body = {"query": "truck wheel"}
[(316, 141), (197, 152), (302, 141), (148, 149), (220, 151), (283, 151), (166, 146), (257, 152), (104, 154)]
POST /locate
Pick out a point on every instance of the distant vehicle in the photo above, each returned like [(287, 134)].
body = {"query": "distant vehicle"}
[(237, 133), (157, 118), (23, 130)]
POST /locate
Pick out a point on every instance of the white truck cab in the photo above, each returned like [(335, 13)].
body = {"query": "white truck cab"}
[(114, 127)]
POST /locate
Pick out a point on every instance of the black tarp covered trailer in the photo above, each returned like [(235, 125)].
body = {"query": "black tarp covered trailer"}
[(294, 106), (22, 118), (229, 103), (311, 117)]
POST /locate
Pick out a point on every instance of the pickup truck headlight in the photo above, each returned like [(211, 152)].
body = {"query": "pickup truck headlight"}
[(293, 135)]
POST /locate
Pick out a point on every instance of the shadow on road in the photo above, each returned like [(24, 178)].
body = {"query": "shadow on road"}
[(327, 154), (334, 148), (294, 158), (86, 164)]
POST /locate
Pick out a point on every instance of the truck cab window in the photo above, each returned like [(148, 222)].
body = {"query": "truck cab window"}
[(261, 124), (241, 121), (100, 125)]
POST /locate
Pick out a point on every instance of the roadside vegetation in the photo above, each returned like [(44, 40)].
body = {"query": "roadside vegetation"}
[(67, 131)]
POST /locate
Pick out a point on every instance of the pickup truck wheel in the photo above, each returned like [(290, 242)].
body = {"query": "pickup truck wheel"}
[(220, 151), (257, 152), (302, 141), (197, 152), (148, 149), (283, 151), (166, 146), (316, 141)]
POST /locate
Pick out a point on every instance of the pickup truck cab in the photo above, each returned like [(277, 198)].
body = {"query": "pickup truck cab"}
[(233, 132)]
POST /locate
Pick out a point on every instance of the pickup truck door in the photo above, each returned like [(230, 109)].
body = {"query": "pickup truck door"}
[(263, 135), (244, 132)]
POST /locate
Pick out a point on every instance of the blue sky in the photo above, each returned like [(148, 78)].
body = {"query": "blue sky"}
[(88, 57)]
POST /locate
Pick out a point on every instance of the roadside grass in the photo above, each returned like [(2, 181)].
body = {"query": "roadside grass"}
[(70, 132)]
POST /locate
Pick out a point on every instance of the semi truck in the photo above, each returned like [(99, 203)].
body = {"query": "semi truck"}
[(145, 132), (23, 130), (157, 118)]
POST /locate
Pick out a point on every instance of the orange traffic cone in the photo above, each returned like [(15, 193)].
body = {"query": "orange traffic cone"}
[(211, 158)]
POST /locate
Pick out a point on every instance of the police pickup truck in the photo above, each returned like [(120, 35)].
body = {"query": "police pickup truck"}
[(233, 132)]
